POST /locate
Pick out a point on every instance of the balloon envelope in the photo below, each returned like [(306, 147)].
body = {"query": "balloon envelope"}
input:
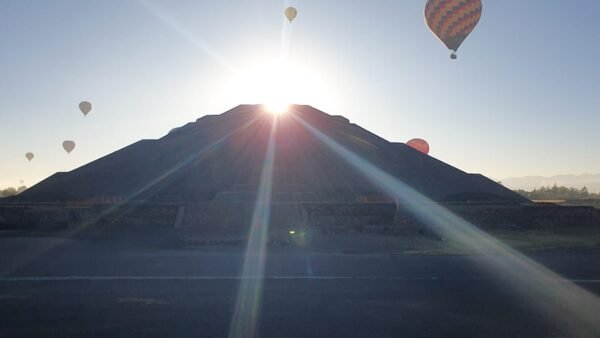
[(452, 20), (290, 13), (68, 146), (419, 144), (29, 156), (85, 107)]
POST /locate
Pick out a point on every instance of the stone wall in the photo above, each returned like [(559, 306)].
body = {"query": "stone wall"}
[(351, 217), (583, 202), (135, 215), (42, 216), (60, 216), (232, 219)]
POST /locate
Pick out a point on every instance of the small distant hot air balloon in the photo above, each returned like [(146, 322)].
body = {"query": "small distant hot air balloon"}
[(29, 156), (68, 146), (419, 144), (290, 13), (85, 107), (452, 20)]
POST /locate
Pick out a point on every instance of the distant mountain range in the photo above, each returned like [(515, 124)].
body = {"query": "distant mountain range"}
[(591, 181)]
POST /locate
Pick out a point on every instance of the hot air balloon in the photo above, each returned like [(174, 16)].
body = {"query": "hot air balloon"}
[(290, 13), (452, 20), (29, 156), (85, 107), (419, 144), (68, 146)]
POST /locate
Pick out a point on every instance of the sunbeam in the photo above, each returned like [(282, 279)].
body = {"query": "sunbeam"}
[(176, 26), (563, 301), (127, 202), (286, 37), (247, 308)]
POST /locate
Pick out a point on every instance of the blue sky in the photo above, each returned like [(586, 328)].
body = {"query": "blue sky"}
[(522, 98)]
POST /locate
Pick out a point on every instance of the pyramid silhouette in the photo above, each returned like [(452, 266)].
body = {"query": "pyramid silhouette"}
[(220, 158)]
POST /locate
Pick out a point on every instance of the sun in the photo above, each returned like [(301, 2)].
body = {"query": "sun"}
[(277, 85), (273, 85), (277, 107)]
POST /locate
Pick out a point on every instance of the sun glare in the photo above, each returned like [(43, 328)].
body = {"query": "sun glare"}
[(277, 108), (277, 85)]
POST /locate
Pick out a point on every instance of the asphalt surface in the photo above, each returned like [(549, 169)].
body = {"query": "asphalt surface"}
[(115, 287)]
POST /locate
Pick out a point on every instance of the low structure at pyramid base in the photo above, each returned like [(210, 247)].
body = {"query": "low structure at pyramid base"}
[(233, 220)]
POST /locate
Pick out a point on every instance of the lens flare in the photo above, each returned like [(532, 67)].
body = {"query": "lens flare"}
[(247, 307), (559, 299)]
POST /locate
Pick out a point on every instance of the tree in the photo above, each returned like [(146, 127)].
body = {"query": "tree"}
[(10, 191), (558, 193)]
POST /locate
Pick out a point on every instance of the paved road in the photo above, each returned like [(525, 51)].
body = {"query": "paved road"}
[(84, 287)]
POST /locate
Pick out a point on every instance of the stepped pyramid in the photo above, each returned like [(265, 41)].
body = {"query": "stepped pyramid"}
[(219, 159)]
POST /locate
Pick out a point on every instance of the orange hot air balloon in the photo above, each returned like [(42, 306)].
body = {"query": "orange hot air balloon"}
[(452, 20), (419, 144)]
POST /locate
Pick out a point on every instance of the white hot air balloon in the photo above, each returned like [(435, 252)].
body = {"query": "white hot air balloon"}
[(290, 13), (29, 156), (68, 146), (85, 107)]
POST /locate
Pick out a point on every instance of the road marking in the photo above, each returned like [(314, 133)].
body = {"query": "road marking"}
[(141, 301), (13, 297), (210, 278)]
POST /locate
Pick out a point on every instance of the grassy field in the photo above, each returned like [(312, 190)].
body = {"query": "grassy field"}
[(523, 240), (365, 243)]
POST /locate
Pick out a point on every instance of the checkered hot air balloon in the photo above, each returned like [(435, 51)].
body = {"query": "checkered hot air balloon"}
[(452, 20)]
